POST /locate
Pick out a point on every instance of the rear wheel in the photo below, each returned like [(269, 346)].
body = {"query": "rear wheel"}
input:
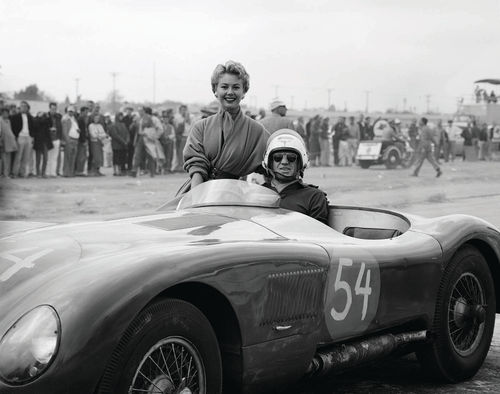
[(169, 348), (464, 319)]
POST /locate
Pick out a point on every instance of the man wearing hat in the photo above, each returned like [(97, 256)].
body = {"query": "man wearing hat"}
[(277, 120)]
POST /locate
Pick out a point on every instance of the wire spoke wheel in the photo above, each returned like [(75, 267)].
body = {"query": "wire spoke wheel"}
[(171, 366), (464, 318), (466, 314)]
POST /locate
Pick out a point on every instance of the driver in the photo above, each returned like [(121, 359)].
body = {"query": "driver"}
[(285, 160)]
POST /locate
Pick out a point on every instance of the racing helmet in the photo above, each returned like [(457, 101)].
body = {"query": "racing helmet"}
[(286, 140)]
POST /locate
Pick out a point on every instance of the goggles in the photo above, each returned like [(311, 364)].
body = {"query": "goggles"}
[(290, 157)]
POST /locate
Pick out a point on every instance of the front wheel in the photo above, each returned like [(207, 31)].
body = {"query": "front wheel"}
[(464, 318), (392, 160), (169, 348)]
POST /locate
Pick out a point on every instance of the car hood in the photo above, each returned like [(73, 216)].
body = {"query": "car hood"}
[(75, 258)]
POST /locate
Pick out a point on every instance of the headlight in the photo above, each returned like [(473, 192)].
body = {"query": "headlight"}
[(29, 346)]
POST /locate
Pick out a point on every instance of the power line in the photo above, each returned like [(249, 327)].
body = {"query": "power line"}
[(276, 91), (329, 90), (428, 101), (77, 80), (113, 75), (154, 82)]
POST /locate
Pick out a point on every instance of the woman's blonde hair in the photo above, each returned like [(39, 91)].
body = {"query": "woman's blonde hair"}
[(234, 68)]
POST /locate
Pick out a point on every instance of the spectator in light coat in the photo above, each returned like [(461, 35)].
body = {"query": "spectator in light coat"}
[(278, 119), (8, 144), (353, 140), (71, 134), (182, 124), (167, 139), (324, 142), (453, 133), (97, 136)]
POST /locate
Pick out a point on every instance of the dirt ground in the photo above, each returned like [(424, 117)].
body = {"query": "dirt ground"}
[(470, 188), (84, 199)]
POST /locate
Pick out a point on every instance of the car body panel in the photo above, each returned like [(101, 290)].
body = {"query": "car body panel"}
[(294, 284)]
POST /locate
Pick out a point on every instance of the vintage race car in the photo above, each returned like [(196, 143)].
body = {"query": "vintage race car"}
[(220, 290), (392, 152)]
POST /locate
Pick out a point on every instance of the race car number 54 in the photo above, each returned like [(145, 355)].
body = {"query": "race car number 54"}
[(362, 288)]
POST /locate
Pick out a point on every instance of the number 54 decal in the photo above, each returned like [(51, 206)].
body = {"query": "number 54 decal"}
[(362, 288)]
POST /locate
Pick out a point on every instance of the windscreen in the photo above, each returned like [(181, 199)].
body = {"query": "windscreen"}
[(229, 192)]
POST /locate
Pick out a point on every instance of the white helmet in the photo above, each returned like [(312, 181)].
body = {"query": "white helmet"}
[(286, 140)]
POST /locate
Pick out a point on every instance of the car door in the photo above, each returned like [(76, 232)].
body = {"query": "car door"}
[(376, 284)]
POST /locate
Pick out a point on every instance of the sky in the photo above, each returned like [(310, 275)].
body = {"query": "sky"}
[(381, 53)]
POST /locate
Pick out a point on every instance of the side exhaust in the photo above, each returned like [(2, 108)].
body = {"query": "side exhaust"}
[(340, 357)]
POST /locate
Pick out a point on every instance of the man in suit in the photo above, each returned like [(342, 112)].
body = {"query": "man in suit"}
[(53, 122), (23, 127)]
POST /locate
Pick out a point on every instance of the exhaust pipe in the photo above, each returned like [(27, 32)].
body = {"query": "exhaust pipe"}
[(340, 357)]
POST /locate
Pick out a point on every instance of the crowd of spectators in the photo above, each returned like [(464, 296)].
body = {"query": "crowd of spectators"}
[(483, 96), (79, 142)]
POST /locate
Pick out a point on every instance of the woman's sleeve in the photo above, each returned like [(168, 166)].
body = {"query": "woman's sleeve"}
[(195, 159)]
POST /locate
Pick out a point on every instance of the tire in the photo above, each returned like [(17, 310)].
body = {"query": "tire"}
[(365, 163), (393, 159), (464, 319), (170, 346)]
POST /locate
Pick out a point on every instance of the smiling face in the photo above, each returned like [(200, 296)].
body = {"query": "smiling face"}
[(285, 163), (229, 92)]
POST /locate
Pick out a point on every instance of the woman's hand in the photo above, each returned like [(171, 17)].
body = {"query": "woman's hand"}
[(196, 179)]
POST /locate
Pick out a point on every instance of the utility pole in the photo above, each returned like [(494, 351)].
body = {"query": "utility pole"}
[(113, 75), (367, 103), (428, 101), (329, 98), (154, 82), (276, 91), (77, 80)]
